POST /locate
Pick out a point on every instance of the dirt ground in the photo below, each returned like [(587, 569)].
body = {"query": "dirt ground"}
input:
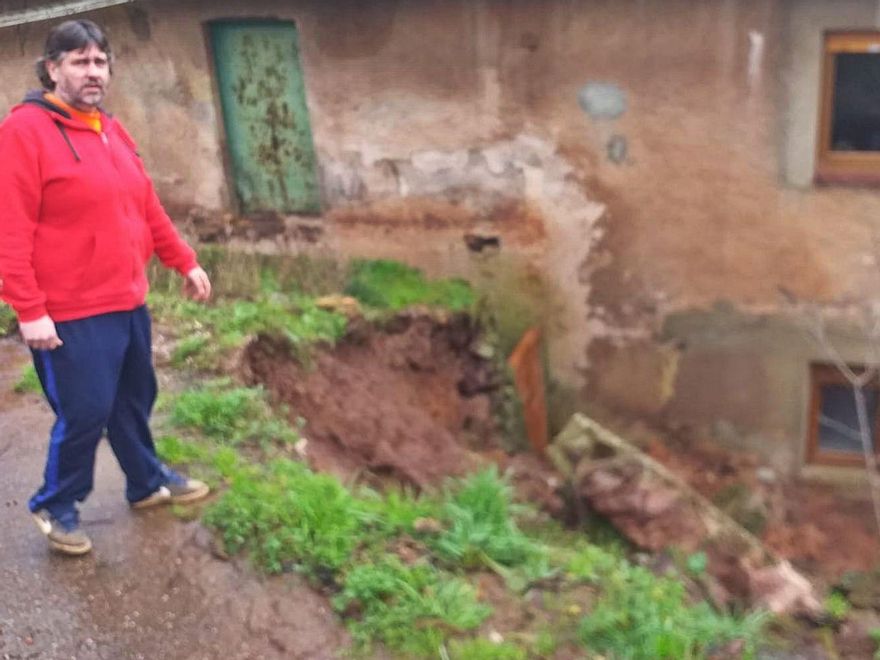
[(410, 402), (824, 530)]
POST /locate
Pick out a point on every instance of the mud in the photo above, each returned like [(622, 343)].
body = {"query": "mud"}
[(411, 401)]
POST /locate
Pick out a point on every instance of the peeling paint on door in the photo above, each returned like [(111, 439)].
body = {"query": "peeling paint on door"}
[(266, 117)]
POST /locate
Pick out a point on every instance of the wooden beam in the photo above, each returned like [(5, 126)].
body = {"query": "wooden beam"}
[(57, 10)]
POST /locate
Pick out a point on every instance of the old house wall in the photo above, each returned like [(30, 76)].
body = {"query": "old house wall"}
[(651, 246)]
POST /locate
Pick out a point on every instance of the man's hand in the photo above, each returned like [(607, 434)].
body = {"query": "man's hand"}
[(197, 285), (40, 334)]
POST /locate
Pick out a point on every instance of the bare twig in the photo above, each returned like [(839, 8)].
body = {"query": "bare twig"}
[(868, 450), (814, 322)]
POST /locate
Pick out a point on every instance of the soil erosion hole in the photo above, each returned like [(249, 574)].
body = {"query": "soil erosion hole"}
[(409, 400)]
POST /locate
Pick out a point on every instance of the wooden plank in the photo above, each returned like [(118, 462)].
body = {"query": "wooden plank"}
[(53, 11), (528, 378)]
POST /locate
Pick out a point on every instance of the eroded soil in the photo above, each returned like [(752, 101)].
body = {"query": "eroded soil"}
[(410, 402)]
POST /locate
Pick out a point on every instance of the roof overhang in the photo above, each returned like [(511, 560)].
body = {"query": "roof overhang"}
[(54, 10)]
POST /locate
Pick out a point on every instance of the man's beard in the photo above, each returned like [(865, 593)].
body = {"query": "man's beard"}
[(86, 97)]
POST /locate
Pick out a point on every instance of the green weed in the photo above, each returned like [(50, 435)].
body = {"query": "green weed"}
[(484, 649), (209, 332), (641, 616), (176, 451), (481, 530), (398, 511), (411, 609), (697, 563), (590, 564), (203, 459), (874, 634), (386, 284), (8, 320), (189, 347), (545, 644), (287, 516), (230, 415), (28, 381), (837, 606)]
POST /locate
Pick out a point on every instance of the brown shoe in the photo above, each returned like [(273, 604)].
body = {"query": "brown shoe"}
[(65, 540), (190, 490)]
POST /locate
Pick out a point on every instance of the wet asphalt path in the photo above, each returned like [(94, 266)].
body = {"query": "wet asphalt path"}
[(150, 589)]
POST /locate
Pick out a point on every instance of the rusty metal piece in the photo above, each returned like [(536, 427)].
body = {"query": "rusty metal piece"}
[(528, 377)]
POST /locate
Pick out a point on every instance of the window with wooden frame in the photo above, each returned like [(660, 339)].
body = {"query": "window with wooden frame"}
[(834, 437), (849, 122)]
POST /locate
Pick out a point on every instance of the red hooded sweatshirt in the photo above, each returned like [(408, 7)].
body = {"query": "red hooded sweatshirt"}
[(79, 218)]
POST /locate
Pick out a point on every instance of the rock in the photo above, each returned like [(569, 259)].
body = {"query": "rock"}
[(427, 526), (649, 513), (337, 303), (656, 510), (574, 443), (483, 349), (744, 505), (862, 589), (560, 461), (766, 475), (782, 590)]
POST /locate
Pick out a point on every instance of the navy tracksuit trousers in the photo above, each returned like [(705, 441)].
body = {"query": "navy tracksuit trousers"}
[(101, 379)]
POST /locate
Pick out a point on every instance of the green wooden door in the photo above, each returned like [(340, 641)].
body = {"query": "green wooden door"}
[(266, 117)]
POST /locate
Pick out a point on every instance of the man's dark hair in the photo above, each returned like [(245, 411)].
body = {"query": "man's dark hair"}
[(68, 36)]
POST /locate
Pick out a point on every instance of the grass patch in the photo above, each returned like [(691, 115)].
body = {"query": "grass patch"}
[(288, 518), (256, 294), (8, 320), (484, 649), (175, 450), (210, 332), (28, 381), (481, 530), (391, 285), (411, 609), (642, 616), (230, 415)]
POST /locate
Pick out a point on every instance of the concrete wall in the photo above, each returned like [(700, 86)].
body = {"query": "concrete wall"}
[(651, 247)]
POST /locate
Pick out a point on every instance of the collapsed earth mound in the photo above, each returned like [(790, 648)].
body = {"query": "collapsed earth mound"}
[(409, 400)]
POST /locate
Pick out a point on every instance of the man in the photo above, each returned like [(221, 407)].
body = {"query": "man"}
[(78, 223)]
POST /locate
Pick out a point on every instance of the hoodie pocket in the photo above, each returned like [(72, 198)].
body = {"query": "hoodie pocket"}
[(109, 268), (61, 260)]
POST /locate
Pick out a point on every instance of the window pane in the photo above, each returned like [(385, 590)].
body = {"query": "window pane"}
[(839, 422), (856, 122)]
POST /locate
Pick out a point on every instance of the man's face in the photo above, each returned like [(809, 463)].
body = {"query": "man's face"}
[(81, 77)]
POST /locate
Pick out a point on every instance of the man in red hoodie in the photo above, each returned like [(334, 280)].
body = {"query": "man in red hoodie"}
[(79, 221)]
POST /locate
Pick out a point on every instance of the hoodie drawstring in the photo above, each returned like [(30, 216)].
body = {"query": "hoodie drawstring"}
[(67, 139)]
